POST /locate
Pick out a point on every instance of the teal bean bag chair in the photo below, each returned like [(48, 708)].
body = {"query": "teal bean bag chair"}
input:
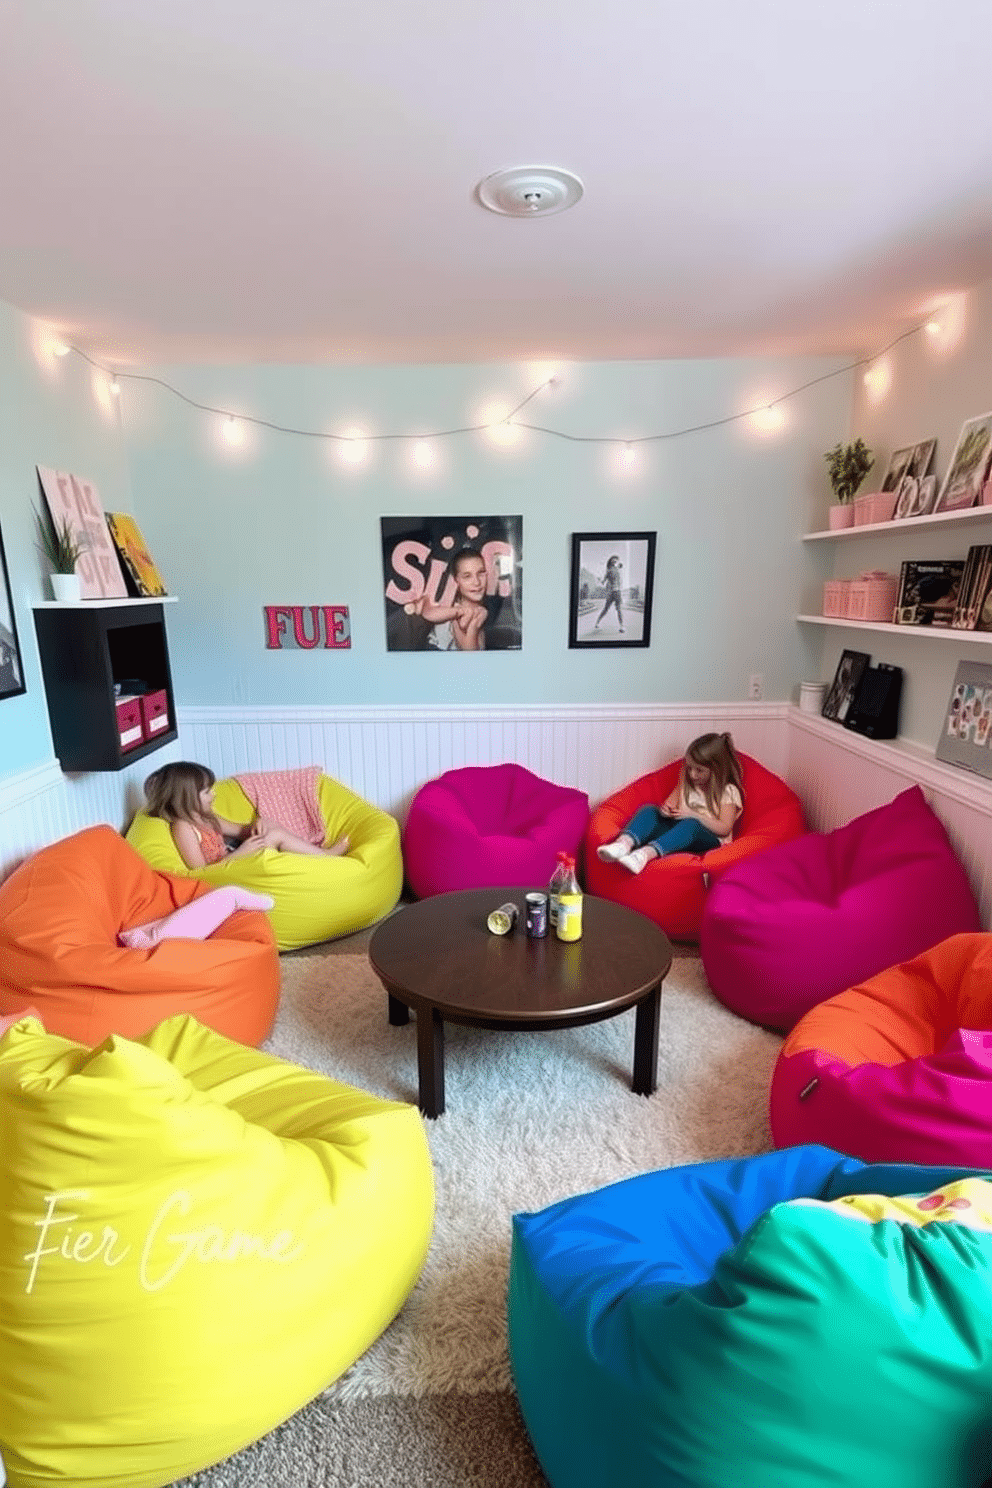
[(793, 1320)]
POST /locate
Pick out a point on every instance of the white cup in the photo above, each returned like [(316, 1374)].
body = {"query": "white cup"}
[(811, 695)]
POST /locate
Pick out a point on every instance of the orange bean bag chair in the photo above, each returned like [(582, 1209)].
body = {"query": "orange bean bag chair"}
[(60, 914), (899, 1068), (672, 891)]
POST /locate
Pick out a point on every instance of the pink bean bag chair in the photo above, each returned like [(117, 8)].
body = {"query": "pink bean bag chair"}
[(809, 918), (489, 825), (673, 890), (898, 1069)]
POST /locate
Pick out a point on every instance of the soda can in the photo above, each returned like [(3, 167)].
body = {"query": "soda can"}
[(502, 920), (537, 915)]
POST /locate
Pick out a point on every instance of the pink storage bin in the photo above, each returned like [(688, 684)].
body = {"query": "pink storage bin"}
[(872, 596), (835, 597), (874, 506)]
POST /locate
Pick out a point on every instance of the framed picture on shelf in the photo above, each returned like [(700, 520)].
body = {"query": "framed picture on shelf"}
[(140, 573), (966, 733), (11, 667), (611, 590), (969, 465), (72, 499), (850, 670), (913, 461), (916, 496)]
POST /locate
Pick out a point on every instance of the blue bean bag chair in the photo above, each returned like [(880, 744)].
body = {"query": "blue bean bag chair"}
[(790, 1320)]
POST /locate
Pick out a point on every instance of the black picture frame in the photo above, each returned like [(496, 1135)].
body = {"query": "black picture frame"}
[(850, 670), (12, 682), (609, 612)]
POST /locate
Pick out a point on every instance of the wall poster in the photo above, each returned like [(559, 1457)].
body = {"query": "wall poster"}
[(453, 583)]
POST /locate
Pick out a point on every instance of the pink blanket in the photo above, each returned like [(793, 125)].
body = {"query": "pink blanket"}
[(289, 798)]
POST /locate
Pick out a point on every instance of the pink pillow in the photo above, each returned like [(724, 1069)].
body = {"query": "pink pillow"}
[(812, 917)]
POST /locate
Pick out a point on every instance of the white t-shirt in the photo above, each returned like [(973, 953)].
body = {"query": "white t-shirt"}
[(696, 801)]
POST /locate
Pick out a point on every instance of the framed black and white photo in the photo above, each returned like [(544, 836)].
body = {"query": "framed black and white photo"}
[(611, 590), (969, 465), (11, 667), (850, 670), (913, 461)]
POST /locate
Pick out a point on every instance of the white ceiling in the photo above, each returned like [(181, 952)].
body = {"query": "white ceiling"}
[(249, 181)]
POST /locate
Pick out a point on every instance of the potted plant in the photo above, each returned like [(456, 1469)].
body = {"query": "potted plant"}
[(63, 548), (847, 466)]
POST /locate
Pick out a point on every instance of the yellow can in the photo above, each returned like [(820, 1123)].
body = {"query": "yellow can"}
[(569, 926)]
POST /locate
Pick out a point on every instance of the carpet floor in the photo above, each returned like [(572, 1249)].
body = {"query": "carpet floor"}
[(530, 1118)]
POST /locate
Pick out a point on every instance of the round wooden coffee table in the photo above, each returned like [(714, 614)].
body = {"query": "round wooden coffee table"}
[(438, 957)]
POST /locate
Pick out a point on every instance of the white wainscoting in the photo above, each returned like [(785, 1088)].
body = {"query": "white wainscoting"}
[(385, 754)]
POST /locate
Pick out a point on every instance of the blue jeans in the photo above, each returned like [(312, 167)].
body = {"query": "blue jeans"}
[(649, 827)]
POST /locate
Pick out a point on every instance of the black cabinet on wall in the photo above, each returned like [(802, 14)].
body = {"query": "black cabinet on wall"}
[(87, 650)]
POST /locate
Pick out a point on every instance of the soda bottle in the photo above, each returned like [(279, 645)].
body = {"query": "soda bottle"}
[(554, 889), (569, 926)]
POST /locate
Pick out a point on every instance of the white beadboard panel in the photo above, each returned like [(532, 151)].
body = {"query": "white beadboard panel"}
[(839, 775), (386, 754), (41, 805)]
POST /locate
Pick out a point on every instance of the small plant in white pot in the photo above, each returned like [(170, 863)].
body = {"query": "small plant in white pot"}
[(63, 548), (847, 466)]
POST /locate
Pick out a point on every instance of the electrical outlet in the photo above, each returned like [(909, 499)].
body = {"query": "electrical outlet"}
[(756, 687)]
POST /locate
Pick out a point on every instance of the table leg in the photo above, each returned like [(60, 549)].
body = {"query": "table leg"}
[(647, 1027), (399, 1013), (430, 1061)]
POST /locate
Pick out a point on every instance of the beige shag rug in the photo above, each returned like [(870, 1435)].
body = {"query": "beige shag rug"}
[(530, 1118)]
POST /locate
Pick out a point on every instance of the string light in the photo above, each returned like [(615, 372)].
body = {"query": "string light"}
[(504, 427), (115, 387), (60, 349)]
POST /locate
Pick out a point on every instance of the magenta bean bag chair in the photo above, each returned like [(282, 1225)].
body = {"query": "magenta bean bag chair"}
[(899, 1068), (811, 917), (490, 825)]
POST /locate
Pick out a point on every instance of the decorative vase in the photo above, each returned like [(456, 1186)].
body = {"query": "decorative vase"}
[(65, 587), (841, 515)]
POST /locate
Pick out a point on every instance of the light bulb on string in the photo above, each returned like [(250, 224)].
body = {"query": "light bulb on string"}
[(60, 349), (423, 454), (627, 458), (115, 387)]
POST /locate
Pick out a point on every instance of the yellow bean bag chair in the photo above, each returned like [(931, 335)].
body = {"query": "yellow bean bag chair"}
[(316, 898), (197, 1239)]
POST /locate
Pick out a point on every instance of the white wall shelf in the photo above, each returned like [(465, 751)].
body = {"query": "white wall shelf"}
[(103, 604), (929, 632), (969, 515)]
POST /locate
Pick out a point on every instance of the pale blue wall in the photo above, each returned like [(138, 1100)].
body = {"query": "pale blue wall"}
[(284, 523), (930, 386), (48, 416)]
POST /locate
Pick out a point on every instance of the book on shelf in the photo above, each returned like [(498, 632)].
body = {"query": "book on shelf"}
[(973, 610), (928, 591), (140, 573)]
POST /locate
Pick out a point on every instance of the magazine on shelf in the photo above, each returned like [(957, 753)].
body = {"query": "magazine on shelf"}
[(928, 591), (973, 610), (140, 573)]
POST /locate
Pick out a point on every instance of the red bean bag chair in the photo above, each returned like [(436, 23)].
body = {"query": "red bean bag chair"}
[(490, 825), (60, 914), (899, 1068), (811, 917), (672, 891)]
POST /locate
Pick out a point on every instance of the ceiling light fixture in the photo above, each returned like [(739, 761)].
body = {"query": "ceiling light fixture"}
[(529, 191)]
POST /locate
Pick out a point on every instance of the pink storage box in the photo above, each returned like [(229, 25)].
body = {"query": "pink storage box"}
[(155, 713), (872, 596), (874, 506), (129, 724), (835, 597)]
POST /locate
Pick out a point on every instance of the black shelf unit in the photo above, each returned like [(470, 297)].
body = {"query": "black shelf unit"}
[(85, 650)]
